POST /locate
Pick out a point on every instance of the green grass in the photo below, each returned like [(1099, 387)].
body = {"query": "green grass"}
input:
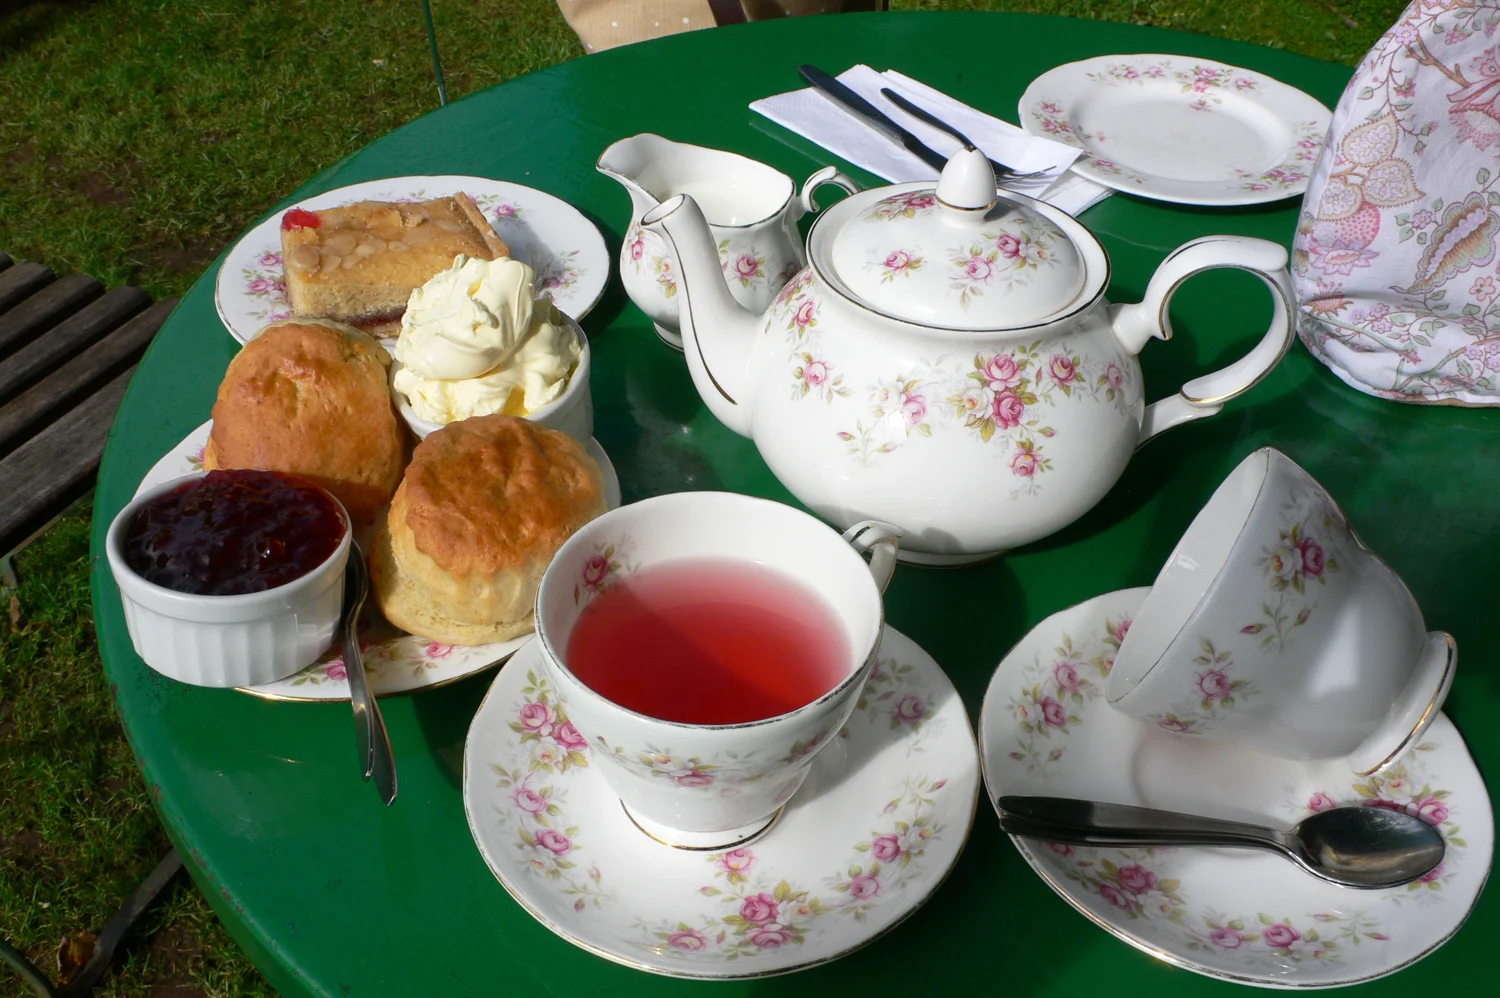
[(137, 138)]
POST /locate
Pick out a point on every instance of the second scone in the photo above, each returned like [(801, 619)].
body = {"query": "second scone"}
[(484, 505)]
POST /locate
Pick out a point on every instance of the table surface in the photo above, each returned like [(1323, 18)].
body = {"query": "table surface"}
[(333, 894)]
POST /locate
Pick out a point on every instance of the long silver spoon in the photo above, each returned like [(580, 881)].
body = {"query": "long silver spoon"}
[(1367, 847), (372, 741)]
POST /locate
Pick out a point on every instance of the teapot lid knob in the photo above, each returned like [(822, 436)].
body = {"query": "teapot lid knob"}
[(967, 182)]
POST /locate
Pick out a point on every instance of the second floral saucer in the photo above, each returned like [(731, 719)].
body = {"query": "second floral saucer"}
[(1237, 915), (869, 837)]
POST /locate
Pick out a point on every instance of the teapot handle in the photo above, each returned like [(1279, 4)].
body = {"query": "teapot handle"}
[(1135, 325), (806, 201)]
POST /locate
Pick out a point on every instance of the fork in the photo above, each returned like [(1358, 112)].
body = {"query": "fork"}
[(1002, 172)]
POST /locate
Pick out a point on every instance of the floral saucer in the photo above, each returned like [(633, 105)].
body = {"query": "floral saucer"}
[(1177, 129), (395, 662), (561, 245), (872, 833), (1237, 915)]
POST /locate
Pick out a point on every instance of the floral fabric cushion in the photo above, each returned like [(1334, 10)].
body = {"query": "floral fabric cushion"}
[(1395, 256)]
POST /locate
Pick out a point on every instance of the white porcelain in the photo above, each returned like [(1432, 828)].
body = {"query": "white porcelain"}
[(874, 831), (395, 661), (1238, 915), (727, 781), (227, 640), (954, 371), (1172, 128), (551, 236), (1272, 624), (752, 208), (572, 412)]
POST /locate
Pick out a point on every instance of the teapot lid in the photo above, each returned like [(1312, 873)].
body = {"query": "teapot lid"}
[(956, 256)]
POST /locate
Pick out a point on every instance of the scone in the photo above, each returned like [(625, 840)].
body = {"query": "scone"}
[(310, 397), (483, 507), (360, 263)]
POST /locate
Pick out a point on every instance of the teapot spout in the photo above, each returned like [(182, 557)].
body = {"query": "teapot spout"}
[(717, 331)]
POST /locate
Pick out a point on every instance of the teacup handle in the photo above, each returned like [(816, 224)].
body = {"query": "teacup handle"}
[(806, 201), (881, 541), (1135, 325)]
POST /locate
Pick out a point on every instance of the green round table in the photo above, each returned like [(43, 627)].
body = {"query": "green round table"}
[(333, 894)]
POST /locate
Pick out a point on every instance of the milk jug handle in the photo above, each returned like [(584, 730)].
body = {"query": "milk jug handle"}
[(806, 201), (1136, 325), (881, 541)]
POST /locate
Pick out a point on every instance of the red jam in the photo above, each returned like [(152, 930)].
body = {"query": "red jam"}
[(300, 218), (233, 532)]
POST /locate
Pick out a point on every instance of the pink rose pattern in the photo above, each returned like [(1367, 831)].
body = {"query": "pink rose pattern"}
[(896, 263), (1048, 706), (1005, 259), (1214, 692), (907, 205), (1397, 282), (743, 265), (536, 816), (760, 914), (604, 567), (889, 696), (646, 253), (1298, 560)]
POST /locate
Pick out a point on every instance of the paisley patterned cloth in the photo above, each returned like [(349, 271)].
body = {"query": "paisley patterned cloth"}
[(1395, 259)]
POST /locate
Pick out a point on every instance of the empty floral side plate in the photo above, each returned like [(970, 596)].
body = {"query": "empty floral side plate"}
[(1174, 128), (870, 836), (1237, 915)]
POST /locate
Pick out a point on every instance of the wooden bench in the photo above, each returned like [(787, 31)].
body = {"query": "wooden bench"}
[(67, 351)]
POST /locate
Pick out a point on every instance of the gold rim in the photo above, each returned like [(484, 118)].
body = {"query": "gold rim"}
[(1428, 713), (771, 823)]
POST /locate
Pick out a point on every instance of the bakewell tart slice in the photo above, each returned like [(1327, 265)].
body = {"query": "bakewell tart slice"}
[(359, 263)]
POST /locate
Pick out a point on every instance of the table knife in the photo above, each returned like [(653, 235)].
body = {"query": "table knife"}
[(856, 104)]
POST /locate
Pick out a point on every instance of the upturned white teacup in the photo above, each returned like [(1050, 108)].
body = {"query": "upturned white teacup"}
[(1273, 625), (703, 786)]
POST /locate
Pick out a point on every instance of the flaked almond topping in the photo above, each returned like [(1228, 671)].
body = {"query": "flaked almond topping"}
[(396, 246), (363, 250), (341, 244), (330, 262), (303, 257)]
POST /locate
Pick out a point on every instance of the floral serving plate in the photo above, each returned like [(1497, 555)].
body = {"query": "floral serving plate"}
[(1177, 129), (872, 833), (561, 245), (1238, 915), (395, 661)]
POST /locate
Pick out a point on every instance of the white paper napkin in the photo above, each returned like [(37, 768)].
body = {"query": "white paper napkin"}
[(815, 116)]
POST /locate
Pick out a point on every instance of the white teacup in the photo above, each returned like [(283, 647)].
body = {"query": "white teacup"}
[(1273, 625), (708, 786)]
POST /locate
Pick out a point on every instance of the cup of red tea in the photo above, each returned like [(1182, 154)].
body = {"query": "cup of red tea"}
[(708, 645)]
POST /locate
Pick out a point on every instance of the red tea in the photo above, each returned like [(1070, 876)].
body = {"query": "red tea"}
[(708, 641)]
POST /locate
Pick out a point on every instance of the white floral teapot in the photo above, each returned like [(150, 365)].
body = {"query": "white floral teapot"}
[(947, 361)]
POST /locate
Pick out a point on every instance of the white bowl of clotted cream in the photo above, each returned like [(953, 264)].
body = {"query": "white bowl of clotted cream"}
[(572, 411), (475, 342)]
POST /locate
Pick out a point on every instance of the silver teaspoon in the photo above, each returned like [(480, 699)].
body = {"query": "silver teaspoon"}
[(1366, 847), (372, 741)]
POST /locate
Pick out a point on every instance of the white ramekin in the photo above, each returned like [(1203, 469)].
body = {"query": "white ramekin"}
[(572, 411), (228, 640)]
